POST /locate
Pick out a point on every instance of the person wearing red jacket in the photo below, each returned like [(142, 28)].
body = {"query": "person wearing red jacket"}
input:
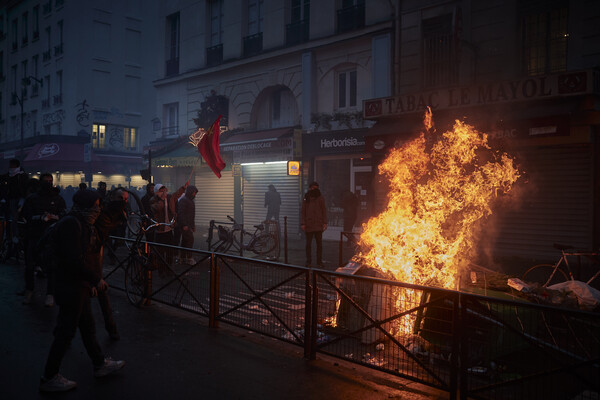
[(314, 222)]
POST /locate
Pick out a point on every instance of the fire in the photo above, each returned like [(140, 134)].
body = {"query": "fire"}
[(442, 188)]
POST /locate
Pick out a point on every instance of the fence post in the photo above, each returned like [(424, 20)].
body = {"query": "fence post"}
[(313, 317), (285, 248), (213, 307), (307, 316), (454, 356)]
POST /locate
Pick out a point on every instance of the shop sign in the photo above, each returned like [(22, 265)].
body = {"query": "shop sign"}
[(293, 168), (334, 143), (259, 151), (530, 88)]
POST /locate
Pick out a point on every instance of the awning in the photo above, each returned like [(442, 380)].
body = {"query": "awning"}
[(255, 137), (57, 156)]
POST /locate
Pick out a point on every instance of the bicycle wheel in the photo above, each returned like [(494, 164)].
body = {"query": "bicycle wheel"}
[(223, 247), (263, 244), (541, 273), (135, 281)]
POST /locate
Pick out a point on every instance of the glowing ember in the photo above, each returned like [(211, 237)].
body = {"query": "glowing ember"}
[(441, 190)]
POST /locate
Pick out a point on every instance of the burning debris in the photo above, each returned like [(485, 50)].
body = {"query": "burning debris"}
[(442, 187)]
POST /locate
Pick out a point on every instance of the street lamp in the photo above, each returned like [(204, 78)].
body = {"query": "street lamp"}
[(26, 81)]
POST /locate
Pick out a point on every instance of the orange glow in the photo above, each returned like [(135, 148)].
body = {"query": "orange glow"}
[(442, 188)]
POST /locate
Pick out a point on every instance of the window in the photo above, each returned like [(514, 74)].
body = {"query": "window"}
[(170, 116), (440, 61), (545, 37), (59, 83), (1, 118), (216, 22), (13, 77), (24, 75), (300, 10), (24, 28), (36, 22), (351, 16), (129, 138), (297, 29), (255, 17), (58, 49), (35, 61), (172, 41), (2, 77), (346, 85), (47, 54), (98, 136), (15, 33)]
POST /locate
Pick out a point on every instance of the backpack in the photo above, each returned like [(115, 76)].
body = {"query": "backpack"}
[(45, 249)]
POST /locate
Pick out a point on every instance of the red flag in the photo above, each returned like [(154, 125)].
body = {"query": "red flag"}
[(209, 148)]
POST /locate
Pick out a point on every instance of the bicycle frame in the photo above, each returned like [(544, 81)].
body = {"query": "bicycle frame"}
[(564, 259)]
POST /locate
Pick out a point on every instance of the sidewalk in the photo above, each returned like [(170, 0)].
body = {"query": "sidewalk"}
[(172, 354)]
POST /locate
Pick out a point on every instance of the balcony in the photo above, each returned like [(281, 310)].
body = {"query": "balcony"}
[(214, 55), (57, 99), (296, 32), (172, 67), (253, 44), (351, 18), (47, 55), (46, 103), (58, 50)]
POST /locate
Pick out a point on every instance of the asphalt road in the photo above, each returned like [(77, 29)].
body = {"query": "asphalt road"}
[(172, 354)]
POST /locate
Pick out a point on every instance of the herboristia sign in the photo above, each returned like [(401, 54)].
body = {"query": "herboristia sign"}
[(530, 88)]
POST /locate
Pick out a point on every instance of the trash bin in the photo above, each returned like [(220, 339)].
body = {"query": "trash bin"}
[(374, 298)]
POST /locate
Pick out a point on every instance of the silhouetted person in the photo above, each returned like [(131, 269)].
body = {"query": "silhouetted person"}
[(314, 222), (273, 203)]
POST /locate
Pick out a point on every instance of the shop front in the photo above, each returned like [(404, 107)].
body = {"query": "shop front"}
[(548, 128), (340, 164)]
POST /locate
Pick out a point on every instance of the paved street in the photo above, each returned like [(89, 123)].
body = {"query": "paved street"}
[(173, 354)]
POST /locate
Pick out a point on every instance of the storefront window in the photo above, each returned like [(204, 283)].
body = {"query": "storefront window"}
[(333, 177)]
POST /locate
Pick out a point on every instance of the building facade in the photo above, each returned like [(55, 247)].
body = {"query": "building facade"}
[(77, 94), (526, 72), (287, 76)]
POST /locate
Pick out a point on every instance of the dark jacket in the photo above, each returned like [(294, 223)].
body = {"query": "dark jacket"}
[(15, 187), (146, 203), (314, 214), (186, 212), (273, 200), (112, 216), (157, 205), (76, 240), (46, 200)]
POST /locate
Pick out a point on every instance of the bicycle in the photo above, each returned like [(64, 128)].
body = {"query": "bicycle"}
[(550, 274), (260, 242)]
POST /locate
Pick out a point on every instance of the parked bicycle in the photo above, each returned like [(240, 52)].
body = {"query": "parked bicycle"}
[(239, 240), (550, 274)]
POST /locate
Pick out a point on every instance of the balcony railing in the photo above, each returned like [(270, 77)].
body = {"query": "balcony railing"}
[(351, 18), (170, 131), (296, 32), (57, 99), (47, 55), (172, 67), (253, 44), (58, 50), (46, 103), (214, 55)]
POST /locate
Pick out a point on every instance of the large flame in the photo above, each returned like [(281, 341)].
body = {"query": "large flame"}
[(442, 188)]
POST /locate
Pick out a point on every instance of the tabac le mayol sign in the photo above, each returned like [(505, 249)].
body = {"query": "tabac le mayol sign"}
[(531, 88)]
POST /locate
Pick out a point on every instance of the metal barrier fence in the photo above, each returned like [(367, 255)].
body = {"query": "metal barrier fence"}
[(468, 345)]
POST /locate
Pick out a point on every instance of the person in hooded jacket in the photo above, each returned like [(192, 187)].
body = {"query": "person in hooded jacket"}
[(314, 222), (40, 210), (186, 215), (76, 238), (164, 209)]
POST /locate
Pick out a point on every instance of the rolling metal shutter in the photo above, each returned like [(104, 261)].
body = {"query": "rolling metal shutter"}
[(214, 199), (554, 206), (256, 179)]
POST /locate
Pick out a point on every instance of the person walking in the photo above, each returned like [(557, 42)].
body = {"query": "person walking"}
[(75, 283), (314, 222), (350, 206), (273, 204), (113, 215), (164, 210), (40, 210), (186, 217)]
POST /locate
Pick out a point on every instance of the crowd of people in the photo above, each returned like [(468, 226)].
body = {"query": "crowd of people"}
[(63, 239)]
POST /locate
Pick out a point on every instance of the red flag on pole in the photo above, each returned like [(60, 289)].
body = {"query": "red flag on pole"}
[(209, 148)]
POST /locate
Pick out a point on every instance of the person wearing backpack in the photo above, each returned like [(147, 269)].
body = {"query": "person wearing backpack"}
[(40, 210), (75, 240)]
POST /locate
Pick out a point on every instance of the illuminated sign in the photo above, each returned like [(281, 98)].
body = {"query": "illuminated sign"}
[(293, 168)]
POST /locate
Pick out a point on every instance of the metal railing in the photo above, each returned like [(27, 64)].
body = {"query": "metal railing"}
[(469, 345)]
